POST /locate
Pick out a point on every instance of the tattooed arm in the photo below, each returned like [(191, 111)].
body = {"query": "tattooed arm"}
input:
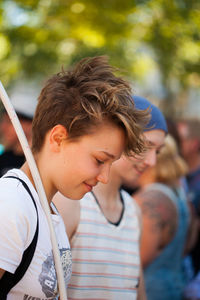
[(159, 221)]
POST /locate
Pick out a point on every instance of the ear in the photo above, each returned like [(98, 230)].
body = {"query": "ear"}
[(57, 135)]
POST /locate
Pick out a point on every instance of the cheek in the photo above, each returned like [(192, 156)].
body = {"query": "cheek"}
[(124, 170), (71, 168), (84, 168), (129, 170), (134, 164)]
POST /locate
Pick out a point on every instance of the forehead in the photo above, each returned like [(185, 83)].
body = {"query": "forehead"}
[(105, 138), (155, 138)]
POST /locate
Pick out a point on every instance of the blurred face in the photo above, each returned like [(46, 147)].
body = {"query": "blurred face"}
[(85, 162), (129, 169), (27, 127), (8, 134), (189, 145)]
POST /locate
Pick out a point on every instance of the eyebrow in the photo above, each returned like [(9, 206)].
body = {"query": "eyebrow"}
[(108, 154), (154, 145)]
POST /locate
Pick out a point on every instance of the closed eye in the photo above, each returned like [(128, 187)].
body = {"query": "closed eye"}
[(100, 162), (158, 151)]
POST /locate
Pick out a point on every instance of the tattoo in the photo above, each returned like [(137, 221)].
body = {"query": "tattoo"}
[(156, 206)]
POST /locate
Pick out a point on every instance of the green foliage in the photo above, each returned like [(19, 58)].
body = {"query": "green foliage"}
[(39, 36)]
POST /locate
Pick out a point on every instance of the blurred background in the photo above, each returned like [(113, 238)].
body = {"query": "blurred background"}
[(155, 43)]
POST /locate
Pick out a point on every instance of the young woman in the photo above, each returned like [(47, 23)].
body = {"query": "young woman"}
[(84, 120)]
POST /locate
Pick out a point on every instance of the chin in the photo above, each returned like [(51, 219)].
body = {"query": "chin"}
[(72, 195), (77, 197)]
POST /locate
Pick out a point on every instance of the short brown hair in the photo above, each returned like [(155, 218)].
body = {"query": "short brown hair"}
[(83, 98)]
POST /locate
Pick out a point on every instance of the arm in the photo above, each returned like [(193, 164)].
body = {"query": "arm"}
[(70, 212), (141, 289), (193, 230), (159, 220)]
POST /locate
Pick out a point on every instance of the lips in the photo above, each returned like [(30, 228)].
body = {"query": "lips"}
[(89, 186)]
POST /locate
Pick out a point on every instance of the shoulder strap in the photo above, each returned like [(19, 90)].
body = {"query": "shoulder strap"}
[(9, 280)]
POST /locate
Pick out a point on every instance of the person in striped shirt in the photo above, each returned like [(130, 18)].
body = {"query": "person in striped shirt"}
[(104, 226)]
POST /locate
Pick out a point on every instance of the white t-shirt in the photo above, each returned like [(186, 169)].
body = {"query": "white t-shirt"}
[(18, 221)]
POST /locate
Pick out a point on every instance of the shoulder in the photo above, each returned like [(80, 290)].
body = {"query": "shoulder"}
[(13, 196), (154, 196), (158, 208), (16, 207)]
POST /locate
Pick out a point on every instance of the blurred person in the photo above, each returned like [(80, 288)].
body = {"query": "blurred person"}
[(166, 217), (192, 290), (104, 228), (12, 155), (189, 131), (194, 224), (173, 131)]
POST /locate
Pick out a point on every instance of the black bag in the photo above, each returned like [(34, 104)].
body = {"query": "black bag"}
[(9, 280)]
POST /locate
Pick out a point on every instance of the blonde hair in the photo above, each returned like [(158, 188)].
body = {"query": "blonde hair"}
[(170, 165)]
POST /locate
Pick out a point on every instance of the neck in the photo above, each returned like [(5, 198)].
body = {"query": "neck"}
[(108, 193), (108, 197), (49, 194), (26, 170)]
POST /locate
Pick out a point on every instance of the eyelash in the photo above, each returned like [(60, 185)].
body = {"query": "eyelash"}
[(100, 162), (158, 151)]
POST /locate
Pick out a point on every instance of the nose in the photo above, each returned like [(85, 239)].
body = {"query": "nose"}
[(104, 174), (150, 159)]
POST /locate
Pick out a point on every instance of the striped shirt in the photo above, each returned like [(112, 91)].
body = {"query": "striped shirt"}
[(106, 261)]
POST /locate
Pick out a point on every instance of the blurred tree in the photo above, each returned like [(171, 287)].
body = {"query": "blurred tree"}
[(141, 37), (174, 35), (40, 36)]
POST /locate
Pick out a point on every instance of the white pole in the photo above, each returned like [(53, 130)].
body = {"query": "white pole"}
[(38, 183)]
